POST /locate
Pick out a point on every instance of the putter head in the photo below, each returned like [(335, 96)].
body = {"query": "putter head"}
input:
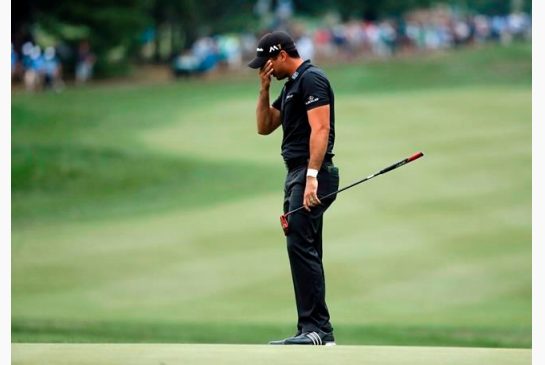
[(284, 223)]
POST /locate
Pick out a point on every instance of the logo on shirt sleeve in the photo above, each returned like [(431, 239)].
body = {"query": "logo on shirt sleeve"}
[(311, 99)]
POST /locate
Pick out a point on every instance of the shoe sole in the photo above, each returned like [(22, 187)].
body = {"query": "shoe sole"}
[(330, 344)]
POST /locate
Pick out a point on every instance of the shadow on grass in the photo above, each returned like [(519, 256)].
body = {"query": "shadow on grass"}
[(75, 182)]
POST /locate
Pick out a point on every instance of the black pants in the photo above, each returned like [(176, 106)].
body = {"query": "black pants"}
[(304, 243)]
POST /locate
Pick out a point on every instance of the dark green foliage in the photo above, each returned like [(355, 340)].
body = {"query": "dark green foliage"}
[(107, 25), (375, 9)]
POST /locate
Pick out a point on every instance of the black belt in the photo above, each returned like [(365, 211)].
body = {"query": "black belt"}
[(295, 163)]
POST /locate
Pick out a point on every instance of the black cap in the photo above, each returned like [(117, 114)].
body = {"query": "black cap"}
[(270, 45)]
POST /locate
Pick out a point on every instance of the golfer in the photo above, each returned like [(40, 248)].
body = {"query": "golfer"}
[(305, 109)]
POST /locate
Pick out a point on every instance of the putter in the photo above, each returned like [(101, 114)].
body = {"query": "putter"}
[(284, 217)]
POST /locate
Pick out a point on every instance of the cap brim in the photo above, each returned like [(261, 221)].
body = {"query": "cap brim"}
[(257, 62)]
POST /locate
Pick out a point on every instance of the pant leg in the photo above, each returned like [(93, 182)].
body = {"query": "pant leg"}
[(304, 243), (292, 195)]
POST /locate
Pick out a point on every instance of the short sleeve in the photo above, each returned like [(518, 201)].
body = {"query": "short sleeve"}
[(315, 90)]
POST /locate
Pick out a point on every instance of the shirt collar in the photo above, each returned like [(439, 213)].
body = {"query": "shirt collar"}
[(302, 68)]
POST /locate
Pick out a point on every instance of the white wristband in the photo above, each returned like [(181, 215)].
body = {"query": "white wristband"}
[(312, 172)]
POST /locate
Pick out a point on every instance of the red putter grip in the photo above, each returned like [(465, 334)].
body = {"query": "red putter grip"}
[(284, 224), (415, 156)]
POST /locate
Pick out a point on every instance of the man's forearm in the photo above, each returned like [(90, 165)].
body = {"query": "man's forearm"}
[(318, 147), (263, 114)]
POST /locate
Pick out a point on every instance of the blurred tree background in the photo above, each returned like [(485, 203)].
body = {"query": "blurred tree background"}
[(116, 29), (375, 9)]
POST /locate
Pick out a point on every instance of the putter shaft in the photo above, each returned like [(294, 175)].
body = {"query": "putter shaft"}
[(383, 171)]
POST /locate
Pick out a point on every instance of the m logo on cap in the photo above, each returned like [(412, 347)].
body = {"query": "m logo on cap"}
[(275, 48), (270, 45)]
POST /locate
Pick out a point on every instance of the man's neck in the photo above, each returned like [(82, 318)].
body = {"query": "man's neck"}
[(294, 65)]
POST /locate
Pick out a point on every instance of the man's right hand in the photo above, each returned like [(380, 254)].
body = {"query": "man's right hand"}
[(268, 118), (265, 74)]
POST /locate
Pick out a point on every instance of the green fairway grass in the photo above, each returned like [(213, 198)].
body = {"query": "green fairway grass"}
[(101, 354), (149, 213)]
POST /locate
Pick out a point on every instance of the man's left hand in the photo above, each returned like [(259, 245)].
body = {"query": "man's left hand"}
[(310, 198)]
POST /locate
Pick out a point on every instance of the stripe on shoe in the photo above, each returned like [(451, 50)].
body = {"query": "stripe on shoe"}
[(312, 338), (316, 339)]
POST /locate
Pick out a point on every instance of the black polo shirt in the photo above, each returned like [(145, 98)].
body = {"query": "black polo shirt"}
[(306, 89)]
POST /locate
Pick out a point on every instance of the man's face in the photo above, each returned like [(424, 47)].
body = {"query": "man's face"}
[(278, 66)]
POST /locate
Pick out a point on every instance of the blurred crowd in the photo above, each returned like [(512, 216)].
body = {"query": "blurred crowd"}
[(42, 69), (207, 53), (433, 29), (419, 30)]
